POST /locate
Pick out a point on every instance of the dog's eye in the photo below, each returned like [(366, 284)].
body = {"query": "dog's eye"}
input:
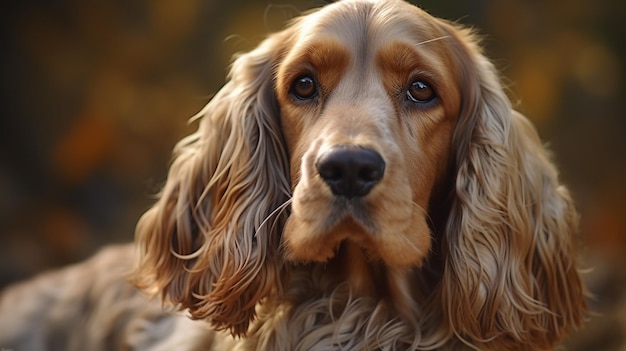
[(304, 88), (420, 92)]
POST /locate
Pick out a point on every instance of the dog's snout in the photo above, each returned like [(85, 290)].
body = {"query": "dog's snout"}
[(351, 171)]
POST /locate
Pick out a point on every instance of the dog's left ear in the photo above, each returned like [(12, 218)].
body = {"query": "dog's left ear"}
[(509, 246), (211, 242)]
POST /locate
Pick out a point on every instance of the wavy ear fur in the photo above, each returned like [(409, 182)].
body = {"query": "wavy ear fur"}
[(509, 245), (206, 245)]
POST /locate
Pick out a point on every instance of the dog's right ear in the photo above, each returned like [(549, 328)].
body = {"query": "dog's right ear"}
[(210, 244)]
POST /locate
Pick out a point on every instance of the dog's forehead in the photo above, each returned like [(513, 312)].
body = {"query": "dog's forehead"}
[(369, 33), (369, 21)]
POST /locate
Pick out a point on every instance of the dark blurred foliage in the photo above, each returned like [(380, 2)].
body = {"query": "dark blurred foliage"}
[(96, 93)]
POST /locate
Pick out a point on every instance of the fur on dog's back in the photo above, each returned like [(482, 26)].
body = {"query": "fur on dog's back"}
[(91, 306)]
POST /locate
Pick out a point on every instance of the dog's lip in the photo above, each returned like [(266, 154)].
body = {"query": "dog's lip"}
[(351, 213)]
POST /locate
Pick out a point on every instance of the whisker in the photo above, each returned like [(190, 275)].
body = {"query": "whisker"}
[(433, 39), (420, 208), (409, 243), (278, 210), (423, 211)]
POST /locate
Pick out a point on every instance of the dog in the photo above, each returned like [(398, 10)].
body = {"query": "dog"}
[(361, 182)]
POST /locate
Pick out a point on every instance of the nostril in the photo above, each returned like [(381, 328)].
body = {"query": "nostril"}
[(350, 171), (330, 169), (371, 172)]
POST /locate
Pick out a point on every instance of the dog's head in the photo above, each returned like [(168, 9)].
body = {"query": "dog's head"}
[(374, 124)]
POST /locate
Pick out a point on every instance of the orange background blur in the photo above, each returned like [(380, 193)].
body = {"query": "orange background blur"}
[(96, 93)]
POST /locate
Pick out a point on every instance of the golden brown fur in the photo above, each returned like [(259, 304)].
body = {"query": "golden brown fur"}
[(465, 242)]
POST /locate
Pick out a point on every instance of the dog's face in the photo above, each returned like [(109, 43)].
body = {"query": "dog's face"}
[(368, 109)]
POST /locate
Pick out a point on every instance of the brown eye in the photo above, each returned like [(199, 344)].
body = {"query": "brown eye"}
[(304, 88), (420, 92)]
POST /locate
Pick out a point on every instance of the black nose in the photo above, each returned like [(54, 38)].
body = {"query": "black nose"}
[(351, 171)]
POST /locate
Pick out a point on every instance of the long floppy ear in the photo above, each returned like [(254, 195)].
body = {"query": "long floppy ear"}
[(210, 243), (510, 277)]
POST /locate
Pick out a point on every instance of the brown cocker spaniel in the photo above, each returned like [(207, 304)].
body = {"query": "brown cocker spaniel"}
[(360, 183)]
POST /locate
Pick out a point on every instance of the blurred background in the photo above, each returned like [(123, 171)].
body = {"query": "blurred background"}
[(96, 93)]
